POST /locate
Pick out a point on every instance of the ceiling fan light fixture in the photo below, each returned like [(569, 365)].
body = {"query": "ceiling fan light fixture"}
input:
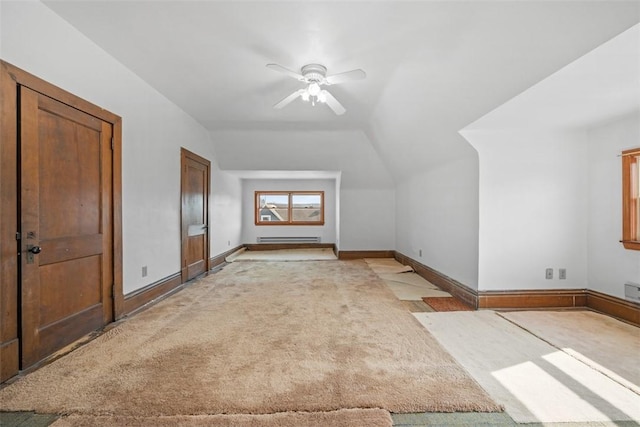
[(313, 89), (315, 76)]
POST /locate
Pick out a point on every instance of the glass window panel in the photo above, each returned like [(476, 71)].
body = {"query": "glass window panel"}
[(306, 207), (289, 208), (273, 207)]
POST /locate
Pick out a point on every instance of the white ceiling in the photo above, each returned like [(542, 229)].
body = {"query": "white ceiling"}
[(601, 86), (432, 67)]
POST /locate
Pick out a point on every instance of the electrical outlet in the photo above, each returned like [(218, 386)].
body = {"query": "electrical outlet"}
[(548, 273), (228, 242), (420, 253), (144, 271), (562, 273)]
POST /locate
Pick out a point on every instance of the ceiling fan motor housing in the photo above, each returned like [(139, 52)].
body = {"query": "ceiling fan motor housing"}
[(314, 73)]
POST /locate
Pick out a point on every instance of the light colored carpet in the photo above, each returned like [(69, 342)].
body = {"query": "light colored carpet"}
[(312, 254), (606, 344), (533, 380), (387, 266), (340, 418), (259, 338)]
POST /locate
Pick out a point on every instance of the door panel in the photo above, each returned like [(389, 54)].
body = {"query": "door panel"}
[(59, 285), (66, 190), (195, 215)]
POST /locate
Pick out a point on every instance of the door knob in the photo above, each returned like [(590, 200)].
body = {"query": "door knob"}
[(34, 249)]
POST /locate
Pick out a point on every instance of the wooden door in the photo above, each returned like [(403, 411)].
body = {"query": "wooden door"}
[(66, 224), (195, 214)]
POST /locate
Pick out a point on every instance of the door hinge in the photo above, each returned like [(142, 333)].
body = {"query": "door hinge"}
[(18, 235), (112, 143)]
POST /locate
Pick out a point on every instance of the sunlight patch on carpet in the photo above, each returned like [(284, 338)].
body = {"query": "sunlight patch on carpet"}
[(608, 345), (536, 382)]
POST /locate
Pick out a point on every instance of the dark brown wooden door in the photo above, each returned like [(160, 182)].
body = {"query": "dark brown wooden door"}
[(66, 224), (195, 215)]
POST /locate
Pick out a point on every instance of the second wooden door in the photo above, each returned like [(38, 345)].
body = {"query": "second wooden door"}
[(195, 214)]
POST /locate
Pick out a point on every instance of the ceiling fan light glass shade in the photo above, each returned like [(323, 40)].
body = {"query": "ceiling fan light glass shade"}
[(305, 96), (322, 96), (313, 89)]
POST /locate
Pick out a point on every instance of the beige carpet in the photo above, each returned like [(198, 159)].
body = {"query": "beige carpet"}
[(536, 382), (606, 344), (312, 254), (258, 338), (341, 418)]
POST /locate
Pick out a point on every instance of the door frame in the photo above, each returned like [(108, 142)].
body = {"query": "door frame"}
[(11, 79), (184, 155)]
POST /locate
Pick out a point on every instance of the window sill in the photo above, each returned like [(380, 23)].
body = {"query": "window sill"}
[(287, 224), (628, 244)]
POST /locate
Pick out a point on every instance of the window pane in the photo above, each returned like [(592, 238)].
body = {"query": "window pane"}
[(273, 207), (306, 207)]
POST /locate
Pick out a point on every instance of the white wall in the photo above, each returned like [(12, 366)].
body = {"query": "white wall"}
[(610, 264), (550, 192), (366, 204), (437, 212), (347, 151), (367, 219), (225, 214), (326, 232), (552, 199), (533, 209), (40, 42)]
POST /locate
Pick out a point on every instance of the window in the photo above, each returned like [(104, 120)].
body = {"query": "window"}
[(289, 208), (631, 199)]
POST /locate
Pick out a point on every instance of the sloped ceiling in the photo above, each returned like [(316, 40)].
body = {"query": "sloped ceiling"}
[(601, 86), (432, 68)]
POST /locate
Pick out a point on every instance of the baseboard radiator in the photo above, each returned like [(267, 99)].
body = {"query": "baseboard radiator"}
[(289, 239)]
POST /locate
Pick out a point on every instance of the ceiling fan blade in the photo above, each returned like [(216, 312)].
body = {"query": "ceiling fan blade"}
[(286, 71), (333, 103), (289, 99), (346, 76)]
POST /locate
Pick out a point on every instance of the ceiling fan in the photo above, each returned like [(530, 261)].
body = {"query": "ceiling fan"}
[(315, 76)]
